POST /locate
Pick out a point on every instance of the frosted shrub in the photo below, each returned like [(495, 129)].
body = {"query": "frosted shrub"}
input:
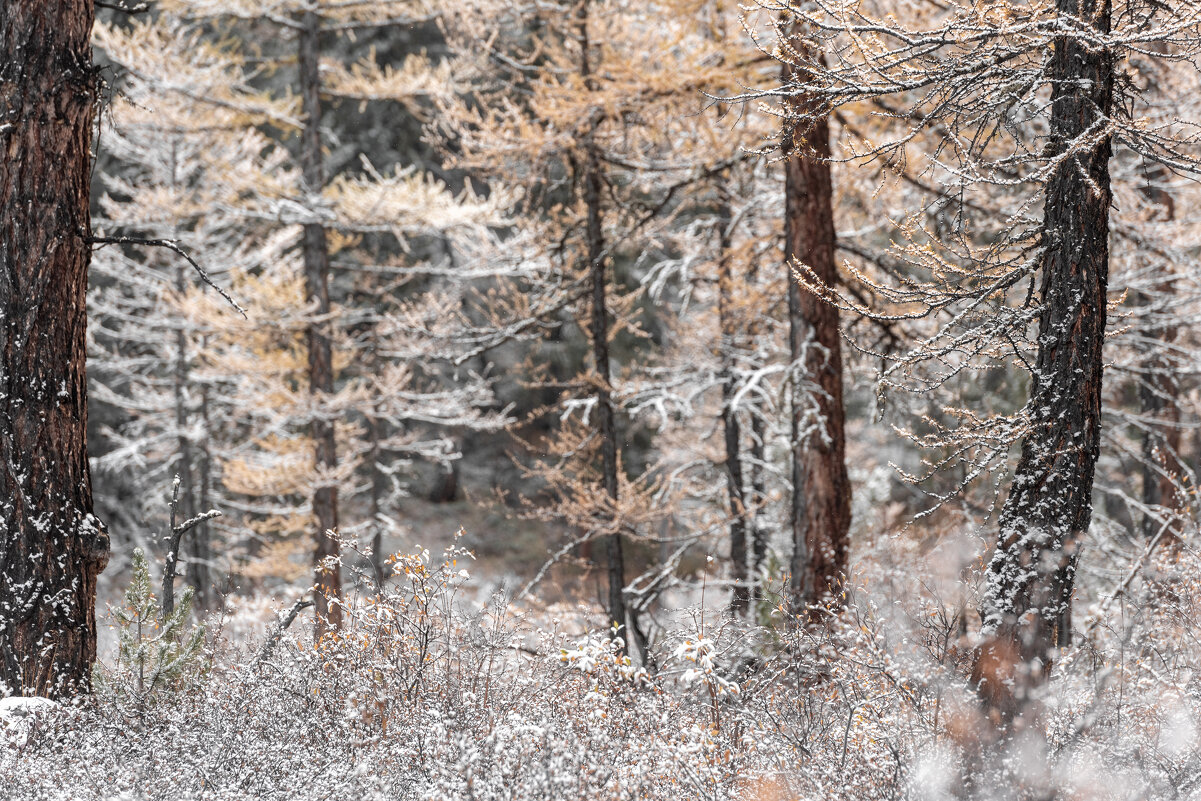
[(430, 694)]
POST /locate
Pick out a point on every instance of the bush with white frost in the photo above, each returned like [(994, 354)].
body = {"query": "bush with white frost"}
[(426, 694)]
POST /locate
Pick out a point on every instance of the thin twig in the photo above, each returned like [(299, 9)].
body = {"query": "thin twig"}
[(282, 623), (177, 532), (170, 244)]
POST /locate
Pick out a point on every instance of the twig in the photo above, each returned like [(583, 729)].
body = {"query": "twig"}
[(139, 8), (177, 532), (282, 623), (1121, 589), (173, 245)]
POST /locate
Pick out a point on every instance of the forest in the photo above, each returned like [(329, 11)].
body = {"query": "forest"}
[(597, 399)]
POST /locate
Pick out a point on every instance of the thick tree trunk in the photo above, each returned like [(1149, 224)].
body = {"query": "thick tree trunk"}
[(51, 546), (1028, 603), (821, 490), (735, 486), (327, 571)]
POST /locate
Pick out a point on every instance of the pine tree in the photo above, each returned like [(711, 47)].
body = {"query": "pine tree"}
[(51, 545)]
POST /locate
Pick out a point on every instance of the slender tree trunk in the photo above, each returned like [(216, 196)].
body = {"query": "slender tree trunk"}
[(757, 497), (199, 570), (735, 486), (599, 324), (378, 479), (605, 418), (1028, 602), (1163, 473), (51, 546), (821, 491), (1159, 391), (327, 571), (187, 490)]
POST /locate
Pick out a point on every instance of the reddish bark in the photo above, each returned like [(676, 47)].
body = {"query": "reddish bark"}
[(326, 570), (821, 498), (51, 546)]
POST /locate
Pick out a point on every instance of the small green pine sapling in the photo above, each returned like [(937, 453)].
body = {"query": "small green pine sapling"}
[(156, 652)]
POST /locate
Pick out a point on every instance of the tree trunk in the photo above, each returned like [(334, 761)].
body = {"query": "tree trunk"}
[(187, 499), (821, 491), (599, 313), (1028, 602), (51, 546), (605, 419), (735, 488), (200, 574), (1164, 473), (327, 571), (757, 498)]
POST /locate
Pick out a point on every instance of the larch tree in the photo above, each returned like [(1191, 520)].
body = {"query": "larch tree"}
[(51, 545), (574, 114), (181, 129), (993, 101), (821, 490), (337, 206)]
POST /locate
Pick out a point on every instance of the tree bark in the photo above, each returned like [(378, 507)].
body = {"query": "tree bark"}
[(187, 500), (735, 487), (327, 571), (1163, 470), (599, 324), (200, 574), (821, 490), (51, 546), (1028, 602)]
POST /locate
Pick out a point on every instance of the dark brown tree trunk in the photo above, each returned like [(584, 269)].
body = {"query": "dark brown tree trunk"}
[(605, 419), (51, 546), (199, 563), (1028, 602), (735, 487), (821, 490), (187, 499), (599, 312), (327, 571)]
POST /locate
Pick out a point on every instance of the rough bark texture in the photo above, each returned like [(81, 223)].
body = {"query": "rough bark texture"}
[(1028, 603), (51, 546), (821, 490), (327, 572)]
